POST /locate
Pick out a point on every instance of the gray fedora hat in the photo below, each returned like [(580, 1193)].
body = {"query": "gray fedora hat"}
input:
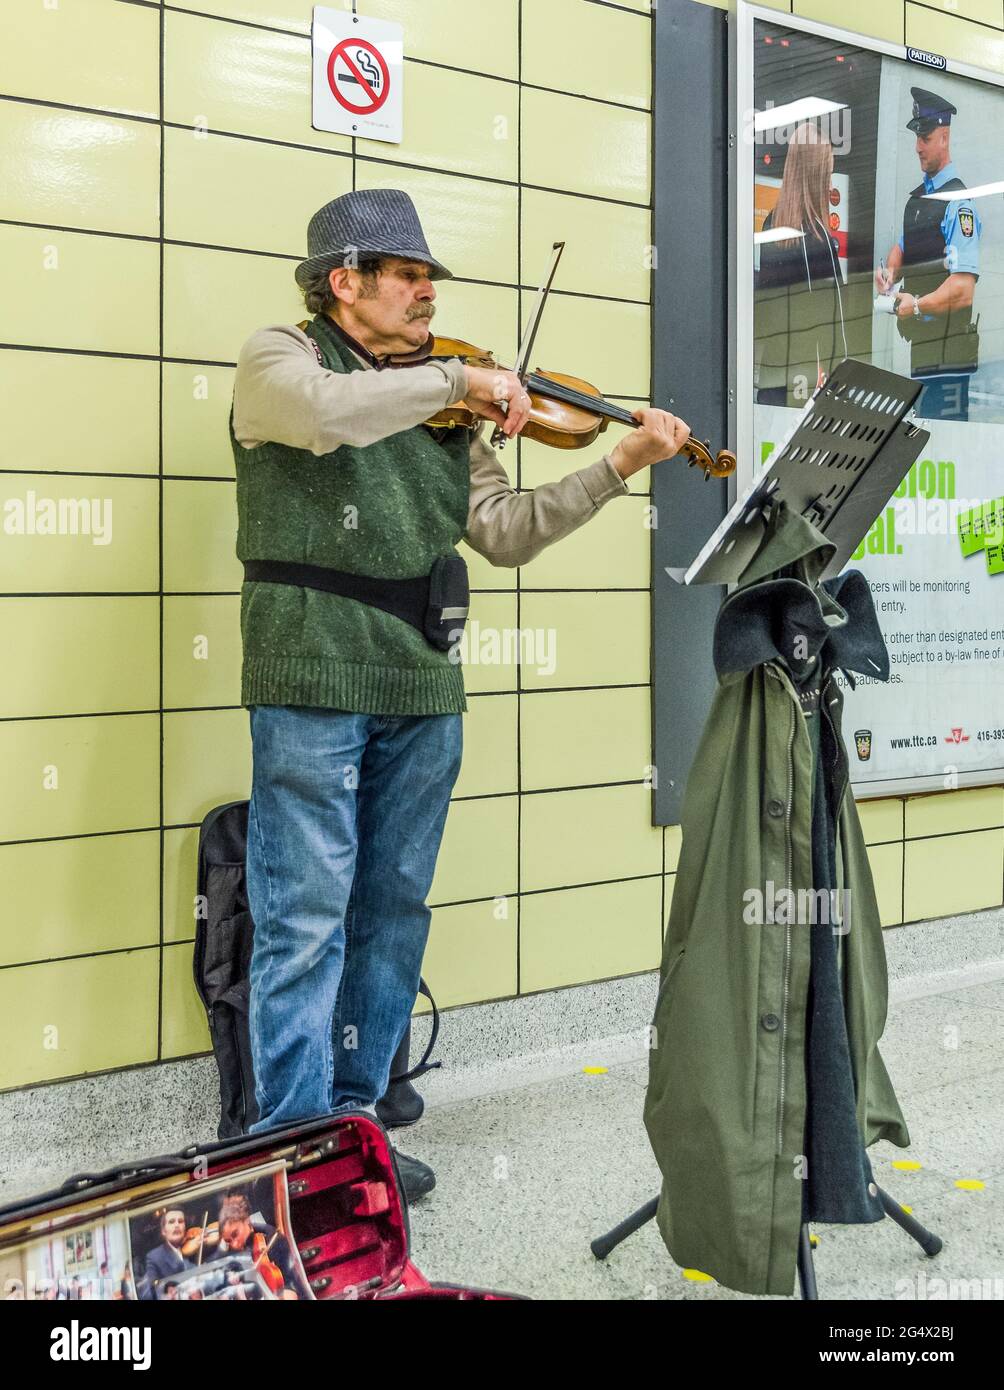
[(368, 221)]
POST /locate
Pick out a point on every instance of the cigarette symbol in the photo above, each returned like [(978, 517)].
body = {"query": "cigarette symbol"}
[(369, 68)]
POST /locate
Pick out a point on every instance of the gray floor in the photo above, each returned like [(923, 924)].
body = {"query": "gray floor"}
[(528, 1177), (529, 1170)]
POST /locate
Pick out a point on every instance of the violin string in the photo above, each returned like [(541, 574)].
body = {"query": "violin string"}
[(570, 396), (596, 404)]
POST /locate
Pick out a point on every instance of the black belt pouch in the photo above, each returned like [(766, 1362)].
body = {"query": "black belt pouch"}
[(449, 601)]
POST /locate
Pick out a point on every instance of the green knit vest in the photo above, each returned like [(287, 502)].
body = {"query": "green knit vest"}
[(386, 510)]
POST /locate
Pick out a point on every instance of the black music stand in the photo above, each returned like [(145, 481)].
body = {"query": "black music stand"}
[(843, 459), (841, 462)]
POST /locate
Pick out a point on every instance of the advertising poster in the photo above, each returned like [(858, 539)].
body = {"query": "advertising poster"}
[(879, 234), (227, 1240)]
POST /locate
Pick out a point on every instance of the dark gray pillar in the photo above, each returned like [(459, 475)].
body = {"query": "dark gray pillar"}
[(690, 334)]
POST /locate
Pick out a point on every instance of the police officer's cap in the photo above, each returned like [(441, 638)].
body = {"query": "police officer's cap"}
[(929, 111)]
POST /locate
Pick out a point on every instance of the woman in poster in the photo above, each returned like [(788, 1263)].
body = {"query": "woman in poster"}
[(799, 320)]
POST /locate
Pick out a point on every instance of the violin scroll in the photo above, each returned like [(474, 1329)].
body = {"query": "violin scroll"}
[(567, 412), (718, 465)]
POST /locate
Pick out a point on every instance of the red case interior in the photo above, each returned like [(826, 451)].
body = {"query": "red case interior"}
[(348, 1219)]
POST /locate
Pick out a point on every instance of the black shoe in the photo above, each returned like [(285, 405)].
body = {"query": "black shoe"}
[(417, 1178), (402, 1105)]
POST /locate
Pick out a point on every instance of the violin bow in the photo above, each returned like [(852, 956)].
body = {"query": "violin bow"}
[(713, 466), (530, 335), (264, 1253)]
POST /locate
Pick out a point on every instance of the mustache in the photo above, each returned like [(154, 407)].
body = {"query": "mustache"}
[(421, 311)]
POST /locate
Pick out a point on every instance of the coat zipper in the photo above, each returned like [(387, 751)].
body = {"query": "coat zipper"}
[(787, 929)]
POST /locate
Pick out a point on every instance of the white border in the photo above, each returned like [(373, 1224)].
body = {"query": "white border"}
[(742, 16)]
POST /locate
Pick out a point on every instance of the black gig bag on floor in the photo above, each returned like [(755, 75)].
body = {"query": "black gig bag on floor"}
[(224, 934)]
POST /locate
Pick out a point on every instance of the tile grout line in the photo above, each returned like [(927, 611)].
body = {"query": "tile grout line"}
[(519, 482), (114, 114), (652, 534), (160, 558)]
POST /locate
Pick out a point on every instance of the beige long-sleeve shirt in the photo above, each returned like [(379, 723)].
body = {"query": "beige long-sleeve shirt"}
[(282, 394)]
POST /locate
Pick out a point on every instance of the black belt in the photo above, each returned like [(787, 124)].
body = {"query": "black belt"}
[(435, 603)]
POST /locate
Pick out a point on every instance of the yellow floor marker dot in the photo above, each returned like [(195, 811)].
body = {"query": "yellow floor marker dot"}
[(908, 1210), (813, 1241), (970, 1184), (906, 1165), (696, 1277), (596, 1071)]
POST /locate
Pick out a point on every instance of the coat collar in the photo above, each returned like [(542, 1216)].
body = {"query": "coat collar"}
[(781, 600), (395, 359)]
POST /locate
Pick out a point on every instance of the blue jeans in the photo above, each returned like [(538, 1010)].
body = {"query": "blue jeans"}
[(344, 826)]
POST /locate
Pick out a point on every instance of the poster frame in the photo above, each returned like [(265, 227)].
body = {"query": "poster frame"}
[(743, 15)]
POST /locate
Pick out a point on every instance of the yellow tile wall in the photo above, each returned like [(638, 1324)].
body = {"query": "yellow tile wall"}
[(157, 168), (882, 21)]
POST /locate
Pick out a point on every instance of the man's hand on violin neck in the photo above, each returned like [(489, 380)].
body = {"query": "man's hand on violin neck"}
[(659, 436), (488, 391)]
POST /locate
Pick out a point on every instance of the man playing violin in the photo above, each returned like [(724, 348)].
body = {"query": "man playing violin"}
[(166, 1258), (267, 1248), (355, 701)]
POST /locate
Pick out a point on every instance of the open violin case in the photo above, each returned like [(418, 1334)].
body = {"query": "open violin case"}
[(342, 1215)]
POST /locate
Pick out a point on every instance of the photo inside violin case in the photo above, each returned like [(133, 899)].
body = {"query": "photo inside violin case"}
[(314, 1210)]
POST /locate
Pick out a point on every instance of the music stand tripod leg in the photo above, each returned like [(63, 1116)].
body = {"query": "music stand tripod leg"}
[(804, 1265), (927, 1240), (602, 1245)]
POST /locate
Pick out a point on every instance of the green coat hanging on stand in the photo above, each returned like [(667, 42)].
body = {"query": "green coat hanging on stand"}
[(726, 1105)]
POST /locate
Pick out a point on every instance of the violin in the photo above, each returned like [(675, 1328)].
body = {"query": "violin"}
[(268, 1269), (198, 1237), (565, 411)]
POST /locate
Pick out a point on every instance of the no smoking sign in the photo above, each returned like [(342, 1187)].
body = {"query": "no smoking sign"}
[(358, 82)]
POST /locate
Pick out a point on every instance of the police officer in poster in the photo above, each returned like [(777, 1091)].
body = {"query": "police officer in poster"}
[(938, 256)]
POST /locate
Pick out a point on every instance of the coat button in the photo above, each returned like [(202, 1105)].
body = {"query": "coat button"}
[(775, 808), (771, 1022), (872, 1189)]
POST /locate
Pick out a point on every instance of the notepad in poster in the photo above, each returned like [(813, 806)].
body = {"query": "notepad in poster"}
[(982, 527)]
